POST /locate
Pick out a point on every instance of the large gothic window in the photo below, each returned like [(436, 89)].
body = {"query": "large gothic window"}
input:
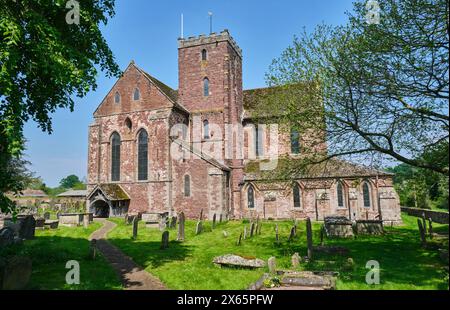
[(115, 157), (205, 87), (142, 155), (366, 195), (340, 195), (187, 186), (297, 196), (295, 142), (251, 197)]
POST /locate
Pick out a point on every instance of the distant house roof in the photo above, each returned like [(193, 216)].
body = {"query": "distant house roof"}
[(74, 193), (32, 193), (333, 168)]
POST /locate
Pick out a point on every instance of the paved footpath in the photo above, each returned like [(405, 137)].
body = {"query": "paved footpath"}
[(133, 277)]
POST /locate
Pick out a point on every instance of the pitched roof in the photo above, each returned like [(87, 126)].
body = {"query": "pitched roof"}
[(74, 193), (112, 192), (333, 168), (32, 193)]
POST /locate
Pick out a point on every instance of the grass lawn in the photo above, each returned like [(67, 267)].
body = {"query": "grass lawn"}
[(188, 265), (51, 249)]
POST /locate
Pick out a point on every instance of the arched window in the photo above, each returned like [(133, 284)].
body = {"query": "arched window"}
[(340, 195), (128, 124), (204, 55), (136, 94), (206, 129), (366, 195), (115, 157), (297, 196), (142, 155), (251, 197), (117, 98), (205, 87), (187, 186), (295, 142), (259, 140)]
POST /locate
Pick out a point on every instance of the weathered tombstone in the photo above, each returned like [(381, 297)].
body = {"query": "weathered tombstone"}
[(180, 235), (165, 240), (309, 238), (28, 227), (93, 249), (430, 227), (252, 229), (239, 239), (86, 220), (272, 264), (16, 273), (201, 215), (6, 236), (292, 234), (259, 228), (135, 227), (173, 222), (220, 218), (47, 215), (214, 221), (126, 219), (199, 228), (424, 223), (58, 214), (245, 232), (277, 237), (295, 260), (421, 232)]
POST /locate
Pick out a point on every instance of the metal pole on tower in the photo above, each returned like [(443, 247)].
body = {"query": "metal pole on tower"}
[(210, 22), (182, 26)]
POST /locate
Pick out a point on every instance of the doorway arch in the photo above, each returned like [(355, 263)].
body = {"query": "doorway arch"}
[(100, 209)]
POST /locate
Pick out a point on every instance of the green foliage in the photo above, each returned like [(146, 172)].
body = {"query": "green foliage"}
[(44, 62), (70, 181)]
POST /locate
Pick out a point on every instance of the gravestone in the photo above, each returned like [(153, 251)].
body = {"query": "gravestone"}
[(199, 228), (173, 222), (201, 215), (86, 221), (424, 223), (272, 264), (126, 219), (309, 238), (135, 227), (58, 214), (6, 236), (15, 274), (239, 239), (277, 237), (292, 234), (295, 260), (430, 227), (180, 235), (214, 221), (93, 249), (421, 232), (220, 218), (245, 232), (165, 240), (47, 215), (225, 234), (40, 223), (259, 228), (252, 229), (322, 233), (27, 227)]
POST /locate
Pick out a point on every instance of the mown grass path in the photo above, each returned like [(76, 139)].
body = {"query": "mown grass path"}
[(132, 276)]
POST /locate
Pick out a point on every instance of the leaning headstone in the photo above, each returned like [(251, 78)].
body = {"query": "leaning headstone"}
[(173, 222), (430, 227), (292, 234), (239, 239), (165, 240), (180, 235), (93, 249), (252, 229), (309, 238), (86, 220), (295, 260), (421, 232), (47, 215), (272, 264), (201, 215), (220, 218), (277, 237), (199, 228), (135, 227), (214, 221), (259, 228)]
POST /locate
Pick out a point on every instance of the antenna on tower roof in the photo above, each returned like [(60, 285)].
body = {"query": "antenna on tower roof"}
[(210, 22)]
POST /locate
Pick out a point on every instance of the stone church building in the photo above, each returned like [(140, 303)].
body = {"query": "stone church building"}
[(142, 127)]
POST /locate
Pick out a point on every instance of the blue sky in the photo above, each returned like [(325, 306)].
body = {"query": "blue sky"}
[(147, 31)]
